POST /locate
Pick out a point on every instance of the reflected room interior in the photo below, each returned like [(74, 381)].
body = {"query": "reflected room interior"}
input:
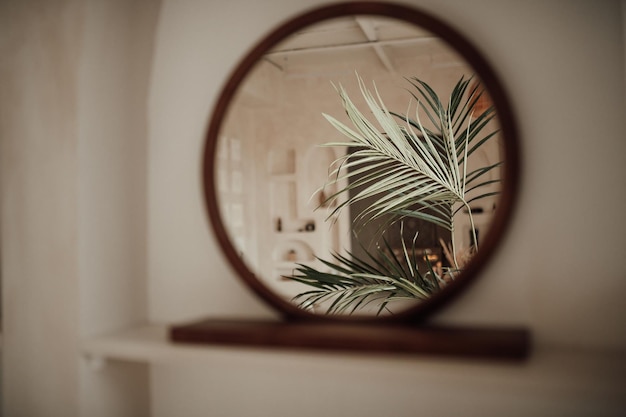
[(272, 172)]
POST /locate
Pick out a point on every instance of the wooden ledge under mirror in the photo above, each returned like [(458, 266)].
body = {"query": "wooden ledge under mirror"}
[(372, 338), (360, 170)]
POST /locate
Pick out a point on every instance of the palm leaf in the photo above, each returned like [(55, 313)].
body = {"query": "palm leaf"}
[(354, 283), (404, 170), (408, 165)]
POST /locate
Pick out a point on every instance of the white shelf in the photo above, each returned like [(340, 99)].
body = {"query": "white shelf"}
[(141, 344), (150, 343), (593, 379), (146, 344), (294, 234)]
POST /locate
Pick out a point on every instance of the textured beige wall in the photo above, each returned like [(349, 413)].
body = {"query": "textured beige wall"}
[(73, 146), (38, 114)]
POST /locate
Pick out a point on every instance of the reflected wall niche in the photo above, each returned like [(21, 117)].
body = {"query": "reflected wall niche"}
[(276, 205)]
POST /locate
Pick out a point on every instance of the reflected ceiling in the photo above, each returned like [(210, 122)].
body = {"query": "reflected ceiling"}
[(382, 41)]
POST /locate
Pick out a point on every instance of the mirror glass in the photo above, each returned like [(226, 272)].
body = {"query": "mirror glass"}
[(344, 188)]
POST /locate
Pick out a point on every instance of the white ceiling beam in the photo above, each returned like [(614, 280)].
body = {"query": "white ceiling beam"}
[(367, 44), (369, 31)]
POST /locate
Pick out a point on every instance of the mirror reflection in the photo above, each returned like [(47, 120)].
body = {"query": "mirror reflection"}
[(358, 166)]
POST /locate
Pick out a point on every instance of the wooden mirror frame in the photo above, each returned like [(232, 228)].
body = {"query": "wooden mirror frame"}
[(507, 126)]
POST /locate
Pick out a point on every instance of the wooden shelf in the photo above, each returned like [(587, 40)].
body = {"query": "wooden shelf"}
[(486, 343), (159, 343)]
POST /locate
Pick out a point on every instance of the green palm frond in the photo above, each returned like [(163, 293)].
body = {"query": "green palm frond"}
[(353, 283), (402, 169), (411, 170)]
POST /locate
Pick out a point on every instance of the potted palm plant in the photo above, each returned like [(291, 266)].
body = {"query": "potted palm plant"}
[(405, 167)]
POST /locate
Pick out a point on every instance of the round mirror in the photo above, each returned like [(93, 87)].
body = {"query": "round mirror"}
[(361, 163)]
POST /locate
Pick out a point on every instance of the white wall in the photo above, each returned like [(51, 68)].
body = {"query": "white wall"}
[(188, 277), (115, 67), (563, 68), (558, 270)]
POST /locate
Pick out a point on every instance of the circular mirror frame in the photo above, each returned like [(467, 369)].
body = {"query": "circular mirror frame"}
[(507, 126)]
